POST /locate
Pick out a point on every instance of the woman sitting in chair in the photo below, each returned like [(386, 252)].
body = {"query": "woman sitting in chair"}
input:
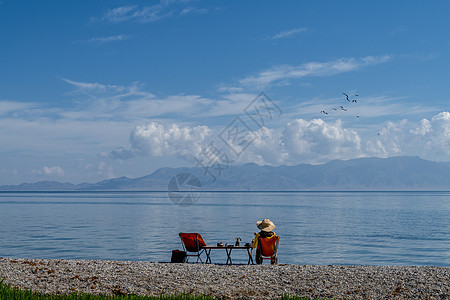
[(266, 226)]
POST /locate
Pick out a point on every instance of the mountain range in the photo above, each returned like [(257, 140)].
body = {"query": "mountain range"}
[(403, 173)]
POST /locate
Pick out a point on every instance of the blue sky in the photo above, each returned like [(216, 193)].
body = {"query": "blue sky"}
[(91, 90)]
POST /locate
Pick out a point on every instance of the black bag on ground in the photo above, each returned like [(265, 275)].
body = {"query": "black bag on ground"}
[(178, 256)]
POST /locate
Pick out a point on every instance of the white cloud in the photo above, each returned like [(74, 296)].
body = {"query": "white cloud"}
[(133, 103), (155, 139), (39, 134), (152, 13), (390, 140), (434, 134), (11, 107), (49, 171), (120, 153), (320, 141), (108, 39), (104, 170), (289, 33), (231, 104), (96, 169), (317, 141), (117, 91), (299, 141), (426, 138), (285, 72), (192, 9), (267, 148), (120, 14), (56, 170), (230, 89)]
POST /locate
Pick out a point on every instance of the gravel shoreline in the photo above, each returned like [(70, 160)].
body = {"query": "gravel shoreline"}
[(222, 281)]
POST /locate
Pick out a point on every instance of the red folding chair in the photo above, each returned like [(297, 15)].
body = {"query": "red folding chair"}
[(194, 243), (268, 248)]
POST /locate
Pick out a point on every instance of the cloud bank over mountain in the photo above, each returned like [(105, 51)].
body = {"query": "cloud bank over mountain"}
[(298, 141)]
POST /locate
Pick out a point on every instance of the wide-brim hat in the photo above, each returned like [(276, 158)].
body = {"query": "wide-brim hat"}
[(265, 225)]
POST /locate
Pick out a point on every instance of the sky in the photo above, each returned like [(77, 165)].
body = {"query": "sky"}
[(93, 90)]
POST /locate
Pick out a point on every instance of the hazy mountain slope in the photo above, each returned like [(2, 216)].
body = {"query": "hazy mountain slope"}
[(395, 173)]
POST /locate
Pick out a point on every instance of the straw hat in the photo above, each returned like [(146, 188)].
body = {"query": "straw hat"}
[(265, 225)]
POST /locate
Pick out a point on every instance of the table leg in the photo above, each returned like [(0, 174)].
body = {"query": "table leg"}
[(208, 257), (228, 250), (250, 258)]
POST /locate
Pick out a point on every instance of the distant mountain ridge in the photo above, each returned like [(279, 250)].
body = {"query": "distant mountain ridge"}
[(403, 173)]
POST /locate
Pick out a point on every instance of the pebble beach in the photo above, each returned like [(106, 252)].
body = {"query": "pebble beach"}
[(226, 281)]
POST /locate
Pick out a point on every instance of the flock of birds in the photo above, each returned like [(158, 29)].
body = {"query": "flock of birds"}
[(342, 107), (348, 99)]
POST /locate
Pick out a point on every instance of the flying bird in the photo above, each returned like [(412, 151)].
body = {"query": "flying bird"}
[(346, 96), (354, 100), (323, 112), (342, 108)]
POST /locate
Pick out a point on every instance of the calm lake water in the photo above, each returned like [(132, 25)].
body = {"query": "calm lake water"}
[(370, 228)]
